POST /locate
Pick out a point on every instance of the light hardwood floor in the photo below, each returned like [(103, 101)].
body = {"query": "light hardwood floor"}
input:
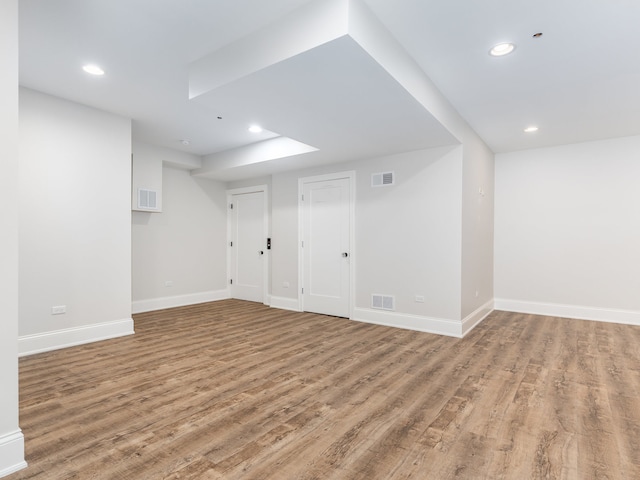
[(236, 390)]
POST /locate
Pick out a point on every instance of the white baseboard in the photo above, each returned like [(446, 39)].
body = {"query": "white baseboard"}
[(285, 303), (474, 318), (629, 317), (69, 337), (11, 453), (440, 326), (140, 306)]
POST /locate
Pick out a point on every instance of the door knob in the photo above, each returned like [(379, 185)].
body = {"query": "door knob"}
[(261, 252), (345, 254)]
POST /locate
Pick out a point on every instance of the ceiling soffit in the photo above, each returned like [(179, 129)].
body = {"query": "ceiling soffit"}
[(330, 77)]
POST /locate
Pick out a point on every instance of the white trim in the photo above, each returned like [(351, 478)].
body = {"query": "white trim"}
[(69, 337), (580, 312), (264, 188), (440, 326), (243, 190), (351, 176), (140, 306), (11, 453), (300, 250), (285, 303), (473, 319)]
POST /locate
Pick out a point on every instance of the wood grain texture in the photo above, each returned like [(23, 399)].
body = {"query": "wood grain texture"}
[(236, 390)]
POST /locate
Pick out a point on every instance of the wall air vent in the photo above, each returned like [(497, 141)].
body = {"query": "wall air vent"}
[(147, 199), (383, 302), (382, 179)]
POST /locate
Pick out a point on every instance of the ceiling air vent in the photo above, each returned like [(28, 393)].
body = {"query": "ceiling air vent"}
[(383, 302), (147, 199), (382, 179)]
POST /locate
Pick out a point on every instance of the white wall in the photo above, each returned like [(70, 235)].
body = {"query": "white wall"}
[(146, 173), (477, 231), (11, 438), (147, 167), (567, 230), (408, 236), (184, 245), (75, 223)]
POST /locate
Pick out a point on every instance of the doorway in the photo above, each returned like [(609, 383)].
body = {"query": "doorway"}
[(247, 243), (326, 247)]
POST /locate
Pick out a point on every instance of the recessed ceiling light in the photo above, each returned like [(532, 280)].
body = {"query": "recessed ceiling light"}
[(531, 129), (185, 142), (255, 129), (93, 69), (502, 49)]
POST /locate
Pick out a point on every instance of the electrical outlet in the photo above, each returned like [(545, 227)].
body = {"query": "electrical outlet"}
[(419, 298), (168, 283), (58, 310)]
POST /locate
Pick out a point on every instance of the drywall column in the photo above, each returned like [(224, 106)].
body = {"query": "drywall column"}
[(11, 438), (477, 233)]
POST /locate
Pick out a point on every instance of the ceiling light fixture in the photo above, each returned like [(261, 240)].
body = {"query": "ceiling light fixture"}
[(502, 49), (255, 129), (531, 129), (185, 142), (93, 69)]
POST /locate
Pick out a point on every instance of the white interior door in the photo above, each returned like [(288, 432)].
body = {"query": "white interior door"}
[(247, 243), (326, 246)]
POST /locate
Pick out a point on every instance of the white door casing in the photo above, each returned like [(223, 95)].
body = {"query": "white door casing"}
[(247, 248), (326, 245)]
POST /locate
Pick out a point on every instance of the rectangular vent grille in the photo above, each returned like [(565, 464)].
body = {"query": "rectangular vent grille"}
[(147, 199), (383, 302), (382, 179)]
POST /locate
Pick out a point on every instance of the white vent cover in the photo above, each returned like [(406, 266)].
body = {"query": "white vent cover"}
[(382, 179), (147, 199), (383, 302)]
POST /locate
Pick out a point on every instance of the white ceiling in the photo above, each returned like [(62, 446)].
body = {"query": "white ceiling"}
[(331, 97), (579, 81)]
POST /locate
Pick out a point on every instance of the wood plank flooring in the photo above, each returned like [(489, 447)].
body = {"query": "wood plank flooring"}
[(236, 390)]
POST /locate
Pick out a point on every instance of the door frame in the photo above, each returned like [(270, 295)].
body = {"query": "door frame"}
[(351, 176), (266, 259)]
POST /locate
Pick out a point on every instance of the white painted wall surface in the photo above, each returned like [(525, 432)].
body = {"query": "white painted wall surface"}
[(11, 439), (184, 245), (146, 173), (75, 222), (408, 236), (477, 227), (284, 231), (567, 230)]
